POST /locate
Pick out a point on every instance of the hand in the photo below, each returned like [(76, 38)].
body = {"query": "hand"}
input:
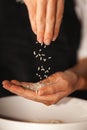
[(17, 88), (59, 85), (56, 87), (45, 18)]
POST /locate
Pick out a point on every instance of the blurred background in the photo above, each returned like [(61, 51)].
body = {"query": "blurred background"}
[(17, 38)]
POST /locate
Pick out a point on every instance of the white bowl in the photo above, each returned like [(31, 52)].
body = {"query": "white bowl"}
[(72, 111)]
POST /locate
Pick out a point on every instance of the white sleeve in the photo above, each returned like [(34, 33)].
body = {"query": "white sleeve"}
[(81, 10)]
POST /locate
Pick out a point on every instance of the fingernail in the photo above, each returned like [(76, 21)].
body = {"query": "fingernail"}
[(47, 42), (54, 38), (40, 40), (3, 86)]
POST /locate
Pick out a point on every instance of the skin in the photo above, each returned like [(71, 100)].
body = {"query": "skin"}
[(45, 17), (61, 84)]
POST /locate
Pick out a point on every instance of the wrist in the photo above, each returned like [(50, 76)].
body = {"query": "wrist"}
[(80, 81), (81, 84), (73, 77)]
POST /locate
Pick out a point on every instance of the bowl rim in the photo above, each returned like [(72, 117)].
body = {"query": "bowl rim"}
[(36, 123)]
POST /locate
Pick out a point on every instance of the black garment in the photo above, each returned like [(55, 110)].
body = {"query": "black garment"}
[(17, 43)]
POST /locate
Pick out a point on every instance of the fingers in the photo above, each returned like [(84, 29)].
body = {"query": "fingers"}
[(16, 82), (51, 99), (54, 84), (12, 87), (54, 87), (59, 82), (47, 99), (49, 90), (45, 20), (18, 89), (40, 19), (45, 17), (59, 15), (31, 7), (23, 84), (50, 21), (52, 78)]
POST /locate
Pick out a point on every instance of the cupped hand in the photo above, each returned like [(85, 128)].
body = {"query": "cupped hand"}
[(45, 18), (56, 87), (59, 85), (18, 88)]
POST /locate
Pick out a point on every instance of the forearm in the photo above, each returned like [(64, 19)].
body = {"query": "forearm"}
[(81, 68), (81, 71)]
